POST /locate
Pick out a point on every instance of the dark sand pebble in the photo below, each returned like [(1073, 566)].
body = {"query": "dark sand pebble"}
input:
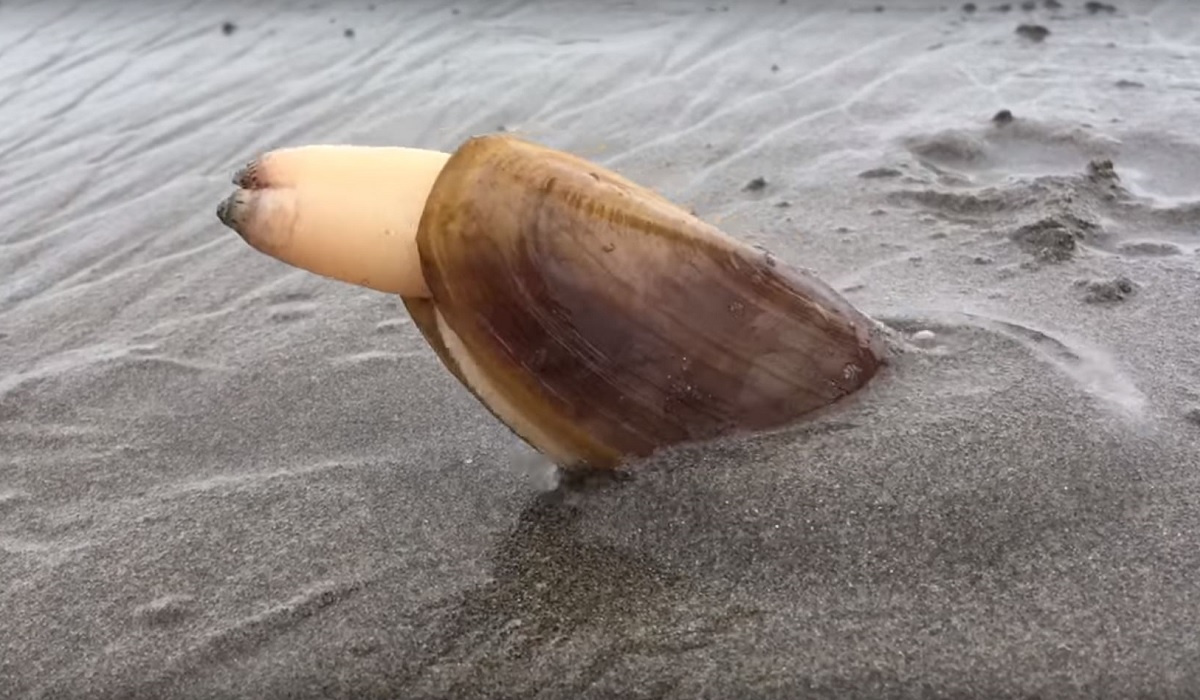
[(876, 173), (981, 260), (1033, 32), (1002, 117), (756, 185), (1192, 415), (1123, 83), (843, 229), (1150, 249), (228, 28), (1096, 8), (1108, 291), (1052, 5), (969, 8), (774, 67), (349, 33), (1102, 169), (878, 212), (1049, 239), (167, 610), (454, 11), (1029, 5), (783, 204)]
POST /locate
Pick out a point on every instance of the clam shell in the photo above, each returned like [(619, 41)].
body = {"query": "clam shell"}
[(602, 323)]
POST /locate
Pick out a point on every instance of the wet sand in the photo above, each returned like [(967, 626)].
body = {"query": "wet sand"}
[(223, 477)]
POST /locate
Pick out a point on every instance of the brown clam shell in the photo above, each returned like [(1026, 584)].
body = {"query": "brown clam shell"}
[(602, 322)]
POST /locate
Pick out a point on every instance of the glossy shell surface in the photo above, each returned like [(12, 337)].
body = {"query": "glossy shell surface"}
[(610, 322)]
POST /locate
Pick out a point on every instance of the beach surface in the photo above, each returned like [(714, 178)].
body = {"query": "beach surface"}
[(222, 477)]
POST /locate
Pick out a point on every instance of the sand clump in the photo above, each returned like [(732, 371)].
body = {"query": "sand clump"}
[(1116, 289), (1051, 239)]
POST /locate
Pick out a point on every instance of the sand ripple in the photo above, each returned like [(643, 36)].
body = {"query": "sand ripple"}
[(222, 477)]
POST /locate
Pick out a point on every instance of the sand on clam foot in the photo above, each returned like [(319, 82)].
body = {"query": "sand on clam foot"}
[(223, 477)]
